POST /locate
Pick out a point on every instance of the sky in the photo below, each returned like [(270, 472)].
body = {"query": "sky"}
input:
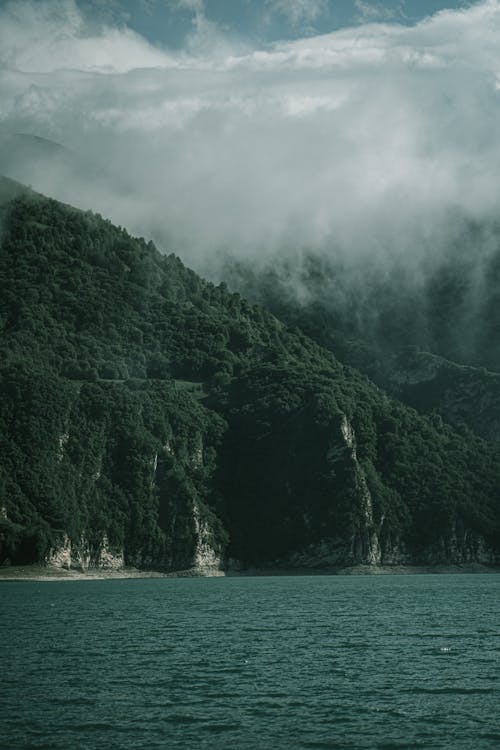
[(169, 23), (255, 126)]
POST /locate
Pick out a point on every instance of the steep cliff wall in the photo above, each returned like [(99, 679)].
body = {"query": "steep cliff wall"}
[(82, 555), (151, 418), (369, 542)]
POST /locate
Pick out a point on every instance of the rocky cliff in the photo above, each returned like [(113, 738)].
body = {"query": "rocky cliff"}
[(150, 418)]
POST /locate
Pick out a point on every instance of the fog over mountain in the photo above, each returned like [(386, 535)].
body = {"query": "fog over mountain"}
[(372, 138), (345, 178)]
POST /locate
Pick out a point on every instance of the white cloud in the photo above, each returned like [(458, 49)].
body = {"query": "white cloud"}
[(369, 12), (367, 137), (45, 37), (297, 11)]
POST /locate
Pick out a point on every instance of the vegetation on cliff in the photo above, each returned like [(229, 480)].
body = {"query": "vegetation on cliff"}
[(424, 330), (143, 405)]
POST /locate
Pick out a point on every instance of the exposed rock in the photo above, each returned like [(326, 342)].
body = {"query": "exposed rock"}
[(81, 556), (60, 557), (196, 456), (263, 451), (63, 439), (366, 551), (460, 547), (365, 545), (109, 559), (395, 552), (205, 558), (154, 463)]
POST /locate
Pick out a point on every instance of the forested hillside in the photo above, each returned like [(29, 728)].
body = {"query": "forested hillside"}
[(426, 333), (149, 417)]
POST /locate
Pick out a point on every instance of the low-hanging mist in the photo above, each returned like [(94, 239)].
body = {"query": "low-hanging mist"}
[(377, 139)]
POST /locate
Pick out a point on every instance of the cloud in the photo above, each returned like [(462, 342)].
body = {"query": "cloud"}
[(369, 138), (46, 37), (110, 11), (297, 12), (369, 12)]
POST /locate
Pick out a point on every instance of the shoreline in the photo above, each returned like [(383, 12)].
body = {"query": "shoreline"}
[(41, 573)]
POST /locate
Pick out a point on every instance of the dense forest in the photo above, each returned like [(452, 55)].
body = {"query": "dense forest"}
[(426, 332), (152, 417)]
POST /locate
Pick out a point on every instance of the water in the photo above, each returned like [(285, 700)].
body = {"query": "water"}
[(251, 663)]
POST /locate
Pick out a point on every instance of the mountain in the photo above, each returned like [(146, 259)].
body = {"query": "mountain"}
[(149, 417), (38, 161), (55, 170), (427, 335)]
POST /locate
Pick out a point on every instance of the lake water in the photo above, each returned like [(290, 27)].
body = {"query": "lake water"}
[(266, 663)]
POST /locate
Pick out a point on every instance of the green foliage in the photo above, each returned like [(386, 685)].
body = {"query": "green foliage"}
[(145, 406)]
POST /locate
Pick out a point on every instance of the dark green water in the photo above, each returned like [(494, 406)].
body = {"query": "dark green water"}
[(251, 663)]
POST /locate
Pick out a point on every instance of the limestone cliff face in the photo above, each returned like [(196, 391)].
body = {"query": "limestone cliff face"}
[(198, 554), (366, 550), (453, 547), (364, 546), (458, 547), (190, 529), (81, 555), (165, 414), (370, 545), (206, 560), (60, 555)]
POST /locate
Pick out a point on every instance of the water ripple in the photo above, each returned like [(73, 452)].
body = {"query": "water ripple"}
[(251, 664)]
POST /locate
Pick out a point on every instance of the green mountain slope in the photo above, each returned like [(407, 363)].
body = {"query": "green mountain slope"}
[(401, 330), (152, 418)]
